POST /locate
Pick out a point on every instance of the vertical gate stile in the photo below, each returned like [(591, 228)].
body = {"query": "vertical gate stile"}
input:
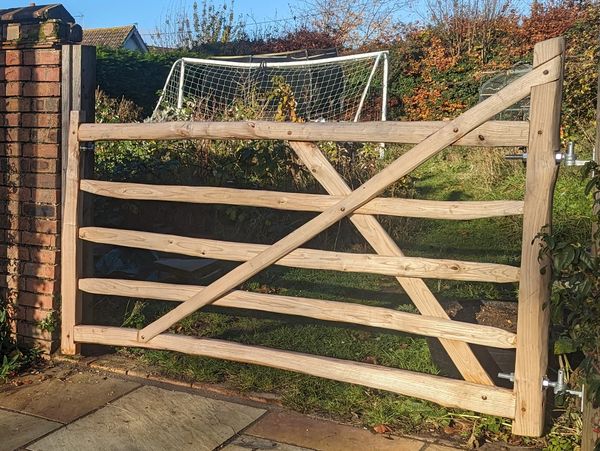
[(534, 289), (71, 259)]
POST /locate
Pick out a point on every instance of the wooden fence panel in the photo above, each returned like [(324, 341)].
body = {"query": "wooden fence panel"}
[(430, 146), (524, 404)]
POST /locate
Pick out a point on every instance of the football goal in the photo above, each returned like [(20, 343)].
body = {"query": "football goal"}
[(343, 88)]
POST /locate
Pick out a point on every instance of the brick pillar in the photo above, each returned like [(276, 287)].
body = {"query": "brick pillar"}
[(30, 165)]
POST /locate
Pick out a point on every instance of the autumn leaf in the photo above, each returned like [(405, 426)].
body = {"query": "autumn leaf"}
[(381, 429)]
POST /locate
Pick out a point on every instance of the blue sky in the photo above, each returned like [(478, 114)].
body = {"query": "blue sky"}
[(147, 13)]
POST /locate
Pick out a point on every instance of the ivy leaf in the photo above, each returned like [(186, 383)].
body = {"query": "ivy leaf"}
[(563, 259), (564, 345)]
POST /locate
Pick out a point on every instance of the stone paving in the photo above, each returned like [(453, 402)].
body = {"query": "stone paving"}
[(67, 407)]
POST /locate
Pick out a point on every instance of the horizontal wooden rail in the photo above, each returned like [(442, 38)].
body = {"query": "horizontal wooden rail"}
[(413, 208), (490, 134), (307, 258), (441, 390), (311, 308)]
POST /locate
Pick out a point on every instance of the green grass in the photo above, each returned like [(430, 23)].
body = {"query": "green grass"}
[(455, 175), (301, 392)]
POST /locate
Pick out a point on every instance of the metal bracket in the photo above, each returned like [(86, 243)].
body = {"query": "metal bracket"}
[(507, 376), (88, 146), (559, 386), (568, 158)]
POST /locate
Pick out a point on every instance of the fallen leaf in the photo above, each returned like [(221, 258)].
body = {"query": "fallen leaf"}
[(381, 428)]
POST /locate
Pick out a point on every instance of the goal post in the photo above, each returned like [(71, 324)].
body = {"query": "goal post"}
[(343, 88)]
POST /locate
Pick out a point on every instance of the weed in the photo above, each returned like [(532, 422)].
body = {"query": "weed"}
[(50, 322), (12, 358)]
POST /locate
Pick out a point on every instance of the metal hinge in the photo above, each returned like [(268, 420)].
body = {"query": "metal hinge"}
[(559, 386), (568, 158)]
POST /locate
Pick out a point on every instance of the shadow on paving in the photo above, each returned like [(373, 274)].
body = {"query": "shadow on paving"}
[(66, 407)]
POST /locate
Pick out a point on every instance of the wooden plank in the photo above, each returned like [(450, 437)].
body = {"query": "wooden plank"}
[(78, 85), (534, 289), (590, 433), (71, 260), (420, 153), (84, 100), (463, 357), (307, 258), (489, 134), (413, 208), (343, 312), (66, 101), (441, 390)]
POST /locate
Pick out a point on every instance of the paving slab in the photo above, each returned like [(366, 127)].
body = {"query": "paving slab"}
[(299, 430), (152, 418), (18, 429), (64, 395), (247, 442)]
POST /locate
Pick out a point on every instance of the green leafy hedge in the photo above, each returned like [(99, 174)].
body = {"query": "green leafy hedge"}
[(136, 76)]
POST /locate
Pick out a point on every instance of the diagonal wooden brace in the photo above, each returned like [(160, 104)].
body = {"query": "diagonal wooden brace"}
[(460, 352), (420, 153)]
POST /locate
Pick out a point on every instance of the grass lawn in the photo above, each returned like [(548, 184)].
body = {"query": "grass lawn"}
[(455, 175)]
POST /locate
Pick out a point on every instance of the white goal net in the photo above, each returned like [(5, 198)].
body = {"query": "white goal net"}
[(345, 88)]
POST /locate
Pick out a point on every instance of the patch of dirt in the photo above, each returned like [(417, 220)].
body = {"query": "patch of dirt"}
[(498, 314)]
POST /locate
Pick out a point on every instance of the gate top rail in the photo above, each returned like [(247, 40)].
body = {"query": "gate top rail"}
[(489, 134)]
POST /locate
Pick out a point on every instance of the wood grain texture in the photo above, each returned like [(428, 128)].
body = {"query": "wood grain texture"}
[(306, 258), (71, 259), (413, 208), (430, 146), (311, 308), (459, 352), (534, 288), (490, 134), (590, 433), (441, 390)]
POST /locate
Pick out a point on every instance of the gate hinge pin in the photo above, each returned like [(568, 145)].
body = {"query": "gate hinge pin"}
[(568, 158), (559, 386)]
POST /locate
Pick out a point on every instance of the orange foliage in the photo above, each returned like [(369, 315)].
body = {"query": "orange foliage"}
[(447, 63)]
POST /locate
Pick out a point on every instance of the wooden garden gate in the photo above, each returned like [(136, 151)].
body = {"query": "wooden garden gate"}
[(523, 404)]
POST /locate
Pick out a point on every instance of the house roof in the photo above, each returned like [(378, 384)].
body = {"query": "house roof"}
[(113, 37), (36, 13)]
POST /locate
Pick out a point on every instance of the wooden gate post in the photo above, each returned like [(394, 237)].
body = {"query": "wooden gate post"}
[(70, 254), (78, 81), (534, 289)]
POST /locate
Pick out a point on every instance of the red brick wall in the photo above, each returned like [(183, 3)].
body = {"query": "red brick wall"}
[(30, 182)]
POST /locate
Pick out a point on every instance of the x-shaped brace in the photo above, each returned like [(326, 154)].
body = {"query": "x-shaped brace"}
[(370, 228), (433, 144)]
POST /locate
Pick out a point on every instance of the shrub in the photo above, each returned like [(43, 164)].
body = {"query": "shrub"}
[(576, 291), (119, 73), (12, 357)]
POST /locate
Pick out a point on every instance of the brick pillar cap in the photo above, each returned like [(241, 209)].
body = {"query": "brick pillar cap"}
[(39, 13)]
